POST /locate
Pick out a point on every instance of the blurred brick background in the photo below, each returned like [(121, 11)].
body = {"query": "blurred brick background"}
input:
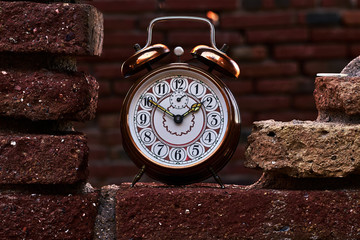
[(279, 45)]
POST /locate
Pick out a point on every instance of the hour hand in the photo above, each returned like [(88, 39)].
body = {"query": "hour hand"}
[(161, 108), (194, 108)]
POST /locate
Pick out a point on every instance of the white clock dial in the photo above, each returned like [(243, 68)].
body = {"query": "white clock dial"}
[(178, 118)]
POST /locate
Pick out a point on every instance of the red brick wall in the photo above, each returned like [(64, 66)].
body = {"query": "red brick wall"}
[(279, 45)]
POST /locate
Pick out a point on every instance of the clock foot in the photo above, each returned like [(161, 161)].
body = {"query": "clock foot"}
[(216, 177), (138, 176)]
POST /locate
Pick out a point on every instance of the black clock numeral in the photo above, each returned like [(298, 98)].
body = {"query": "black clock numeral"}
[(147, 136), (179, 83), (160, 149), (177, 154), (209, 137), (214, 120), (143, 118), (161, 89), (209, 102)]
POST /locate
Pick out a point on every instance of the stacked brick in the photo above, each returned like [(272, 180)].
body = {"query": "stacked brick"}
[(43, 160), (328, 147)]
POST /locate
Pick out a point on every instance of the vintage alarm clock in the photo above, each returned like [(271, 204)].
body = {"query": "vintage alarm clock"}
[(180, 124)]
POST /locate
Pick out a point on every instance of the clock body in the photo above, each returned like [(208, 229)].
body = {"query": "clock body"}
[(180, 122)]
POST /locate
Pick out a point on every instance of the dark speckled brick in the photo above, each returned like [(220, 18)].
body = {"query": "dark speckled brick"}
[(42, 216), (59, 28), (47, 95), (150, 211), (43, 159)]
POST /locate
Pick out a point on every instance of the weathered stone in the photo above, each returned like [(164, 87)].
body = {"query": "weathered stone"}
[(207, 212), (46, 95), (338, 99), (43, 159), (304, 149), (105, 225), (353, 68), (39, 216), (72, 29)]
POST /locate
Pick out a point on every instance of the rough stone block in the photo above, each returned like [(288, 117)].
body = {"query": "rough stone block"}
[(59, 28), (44, 216), (304, 148), (46, 95), (352, 68), (338, 99), (43, 159), (207, 212)]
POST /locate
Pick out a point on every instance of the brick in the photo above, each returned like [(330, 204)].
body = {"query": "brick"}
[(125, 6), (335, 34), (128, 39), (145, 20), (72, 29), (116, 23), (107, 71), (311, 68), (323, 18), (46, 95), (355, 50), (240, 86), (277, 35), (338, 3), (303, 3), (104, 88), (278, 85), (109, 121), (241, 21), (207, 212), (175, 5), (263, 103), (304, 102), (201, 37), (47, 216), (270, 69), (110, 105), (304, 149), (122, 87), (337, 98), (351, 18), (252, 4), (311, 51), (249, 53), (42, 158)]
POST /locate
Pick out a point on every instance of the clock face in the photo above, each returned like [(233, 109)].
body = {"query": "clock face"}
[(177, 118)]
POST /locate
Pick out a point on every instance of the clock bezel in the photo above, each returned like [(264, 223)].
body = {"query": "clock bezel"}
[(199, 170)]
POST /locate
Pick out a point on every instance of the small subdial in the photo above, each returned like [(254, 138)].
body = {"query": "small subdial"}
[(179, 99)]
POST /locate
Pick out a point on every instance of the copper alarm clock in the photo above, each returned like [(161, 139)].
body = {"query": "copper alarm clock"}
[(180, 124)]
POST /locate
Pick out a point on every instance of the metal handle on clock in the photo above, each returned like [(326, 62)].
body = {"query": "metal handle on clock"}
[(171, 18)]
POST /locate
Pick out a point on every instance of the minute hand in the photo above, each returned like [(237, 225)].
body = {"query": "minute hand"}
[(194, 108), (161, 108)]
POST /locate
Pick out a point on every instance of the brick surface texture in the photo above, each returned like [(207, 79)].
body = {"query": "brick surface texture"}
[(304, 149), (43, 159), (47, 95), (64, 28), (207, 212), (46, 216)]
